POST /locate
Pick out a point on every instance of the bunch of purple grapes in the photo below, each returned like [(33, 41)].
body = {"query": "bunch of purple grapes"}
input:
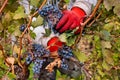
[(39, 50), (38, 64), (65, 52), (52, 15)]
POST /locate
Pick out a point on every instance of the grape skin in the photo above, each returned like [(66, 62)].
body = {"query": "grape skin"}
[(65, 52), (22, 27)]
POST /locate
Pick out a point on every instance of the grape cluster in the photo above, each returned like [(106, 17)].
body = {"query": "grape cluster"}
[(65, 52), (39, 50), (37, 65), (22, 27), (52, 15), (63, 65)]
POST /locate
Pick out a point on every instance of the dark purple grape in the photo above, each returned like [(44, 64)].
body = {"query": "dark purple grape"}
[(22, 27), (28, 59)]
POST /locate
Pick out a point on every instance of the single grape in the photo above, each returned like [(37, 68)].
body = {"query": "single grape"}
[(22, 27), (28, 59)]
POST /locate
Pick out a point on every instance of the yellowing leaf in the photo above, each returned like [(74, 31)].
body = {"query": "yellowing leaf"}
[(117, 10), (106, 66), (17, 31), (8, 17), (63, 37), (108, 4), (16, 49), (1, 27), (108, 56), (34, 2), (19, 13), (106, 44)]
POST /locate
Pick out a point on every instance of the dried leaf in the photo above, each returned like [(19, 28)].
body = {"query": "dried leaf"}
[(16, 49), (56, 62), (10, 60)]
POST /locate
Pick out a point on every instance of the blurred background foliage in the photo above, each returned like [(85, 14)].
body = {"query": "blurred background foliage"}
[(98, 49)]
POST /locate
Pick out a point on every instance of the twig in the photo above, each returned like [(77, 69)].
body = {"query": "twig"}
[(95, 19), (27, 28), (3, 6), (93, 13), (87, 20)]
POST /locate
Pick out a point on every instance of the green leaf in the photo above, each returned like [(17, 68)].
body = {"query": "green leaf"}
[(34, 2), (32, 34), (105, 35), (106, 66), (19, 13), (63, 37), (67, 1), (47, 32), (109, 26), (81, 56), (11, 76), (38, 22)]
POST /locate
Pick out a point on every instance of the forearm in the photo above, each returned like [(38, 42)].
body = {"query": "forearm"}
[(86, 5)]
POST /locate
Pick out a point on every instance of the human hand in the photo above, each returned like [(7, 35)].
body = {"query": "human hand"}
[(71, 20)]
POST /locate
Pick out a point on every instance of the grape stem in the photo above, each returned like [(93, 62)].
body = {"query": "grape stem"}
[(3, 6), (27, 28)]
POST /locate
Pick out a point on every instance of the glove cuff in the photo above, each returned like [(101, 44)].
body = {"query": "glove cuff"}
[(79, 12)]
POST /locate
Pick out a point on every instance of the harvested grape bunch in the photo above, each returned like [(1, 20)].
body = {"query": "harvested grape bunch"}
[(52, 15)]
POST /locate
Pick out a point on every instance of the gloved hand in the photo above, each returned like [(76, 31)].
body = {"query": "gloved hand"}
[(54, 44), (71, 20)]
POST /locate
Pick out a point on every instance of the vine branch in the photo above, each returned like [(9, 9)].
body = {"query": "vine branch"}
[(3, 6), (27, 28), (87, 20)]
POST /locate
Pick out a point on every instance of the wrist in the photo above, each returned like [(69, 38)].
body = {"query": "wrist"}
[(79, 12)]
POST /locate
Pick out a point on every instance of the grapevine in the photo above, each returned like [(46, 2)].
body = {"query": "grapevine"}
[(24, 56)]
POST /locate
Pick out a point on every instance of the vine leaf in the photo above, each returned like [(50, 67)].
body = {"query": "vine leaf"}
[(1, 27), (108, 4), (117, 10), (81, 56), (34, 2), (16, 49), (19, 13), (106, 44), (38, 22), (10, 60)]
